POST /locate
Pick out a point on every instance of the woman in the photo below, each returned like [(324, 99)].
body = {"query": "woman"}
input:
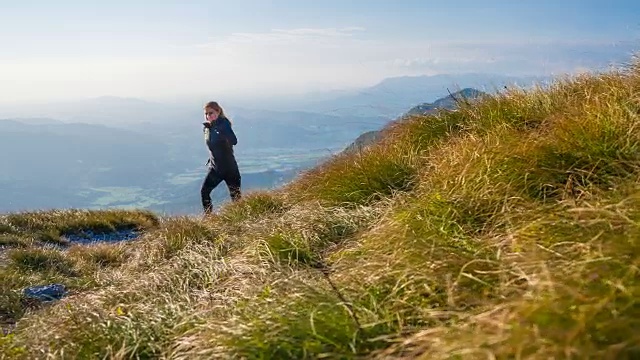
[(220, 139)]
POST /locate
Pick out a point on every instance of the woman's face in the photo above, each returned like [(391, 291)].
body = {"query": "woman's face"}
[(211, 114)]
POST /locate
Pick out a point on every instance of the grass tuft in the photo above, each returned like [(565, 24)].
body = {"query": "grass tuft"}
[(75, 221), (253, 206), (42, 260), (358, 179), (101, 255)]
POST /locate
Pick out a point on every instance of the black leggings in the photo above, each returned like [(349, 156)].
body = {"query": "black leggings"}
[(213, 179)]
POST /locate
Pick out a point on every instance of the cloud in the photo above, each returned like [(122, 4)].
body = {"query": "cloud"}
[(282, 61), (323, 32), (517, 58), (294, 59), (305, 52), (295, 47), (283, 37)]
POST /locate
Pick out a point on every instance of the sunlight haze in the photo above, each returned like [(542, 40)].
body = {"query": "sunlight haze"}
[(73, 49)]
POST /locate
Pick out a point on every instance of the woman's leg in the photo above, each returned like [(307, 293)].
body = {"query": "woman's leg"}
[(210, 182), (233, 183)]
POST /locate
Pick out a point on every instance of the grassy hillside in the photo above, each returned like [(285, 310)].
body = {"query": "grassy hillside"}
[(507, 229)]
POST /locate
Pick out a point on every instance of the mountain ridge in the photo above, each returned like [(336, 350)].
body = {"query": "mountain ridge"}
[(449, 102)]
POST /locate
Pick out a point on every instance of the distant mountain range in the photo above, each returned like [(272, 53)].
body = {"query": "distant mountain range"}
[(391, 97), (387, 99), (449, 102)]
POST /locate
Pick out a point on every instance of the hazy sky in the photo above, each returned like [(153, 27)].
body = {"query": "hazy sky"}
[(164, 49)]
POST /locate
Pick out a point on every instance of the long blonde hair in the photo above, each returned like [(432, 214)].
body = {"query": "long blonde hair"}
[(213, 105)]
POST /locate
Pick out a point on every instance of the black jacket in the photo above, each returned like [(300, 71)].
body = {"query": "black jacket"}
[(220, 139)]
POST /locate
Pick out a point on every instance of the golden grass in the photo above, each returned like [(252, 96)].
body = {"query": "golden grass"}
[(506, 229)]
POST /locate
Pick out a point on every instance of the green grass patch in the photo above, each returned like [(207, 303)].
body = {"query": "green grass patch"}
[(13, 241), (308, 325), (76, 221), (289, 249), (123, 332), (9, 349), (451, 220), (307, 232), (174, 235), (101, 255), (253, 206), (12, 282), (6, 229), (359, 179), (42, 260), (592, 301)]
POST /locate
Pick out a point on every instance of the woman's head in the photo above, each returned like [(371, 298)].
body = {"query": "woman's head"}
[(212, 110)]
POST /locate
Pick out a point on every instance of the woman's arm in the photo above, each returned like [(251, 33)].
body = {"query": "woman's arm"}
[(227, 132)]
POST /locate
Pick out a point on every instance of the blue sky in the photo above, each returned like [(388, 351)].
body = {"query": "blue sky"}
[(66, 49)]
